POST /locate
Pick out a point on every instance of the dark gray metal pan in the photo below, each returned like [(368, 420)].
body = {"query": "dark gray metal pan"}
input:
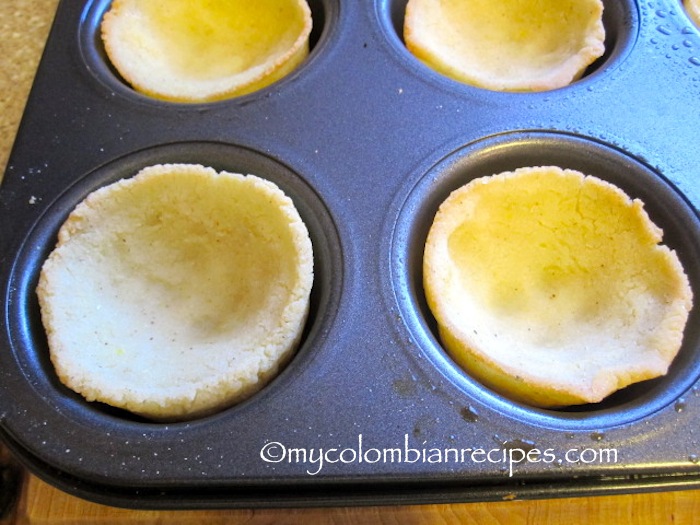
[(367, 141)]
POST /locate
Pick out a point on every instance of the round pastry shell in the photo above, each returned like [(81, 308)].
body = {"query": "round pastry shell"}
[(551, 287), (177, 292), (507, 46), (193, 51)]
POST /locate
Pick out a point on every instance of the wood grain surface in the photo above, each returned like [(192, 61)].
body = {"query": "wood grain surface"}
[(24, 26), (44, 505)]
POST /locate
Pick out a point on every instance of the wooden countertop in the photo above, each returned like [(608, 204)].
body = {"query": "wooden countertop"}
[(44, 505), (24, 27)]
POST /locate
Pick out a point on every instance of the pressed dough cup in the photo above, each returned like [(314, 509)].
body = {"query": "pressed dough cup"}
[(196, 51), (511, 45), (177, 292), (551, 287)]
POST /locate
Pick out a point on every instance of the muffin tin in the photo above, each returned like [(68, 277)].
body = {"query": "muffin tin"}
[(367, 141)]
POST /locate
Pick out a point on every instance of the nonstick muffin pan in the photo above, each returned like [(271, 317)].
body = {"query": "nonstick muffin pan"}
[(367, 141)]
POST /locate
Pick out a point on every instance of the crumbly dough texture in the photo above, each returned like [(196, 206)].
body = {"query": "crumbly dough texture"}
[(692, 7), (551, 287), (177, 292), (507, 45), (204, 50)]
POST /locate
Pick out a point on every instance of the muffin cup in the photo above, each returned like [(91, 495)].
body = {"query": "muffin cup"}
[(93, 53), (24, 315), (667, 208), (620, 23)]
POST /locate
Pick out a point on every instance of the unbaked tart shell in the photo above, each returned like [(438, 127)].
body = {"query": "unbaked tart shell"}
[(200, 51), (177, 292), (507, 45), (552, 288)]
